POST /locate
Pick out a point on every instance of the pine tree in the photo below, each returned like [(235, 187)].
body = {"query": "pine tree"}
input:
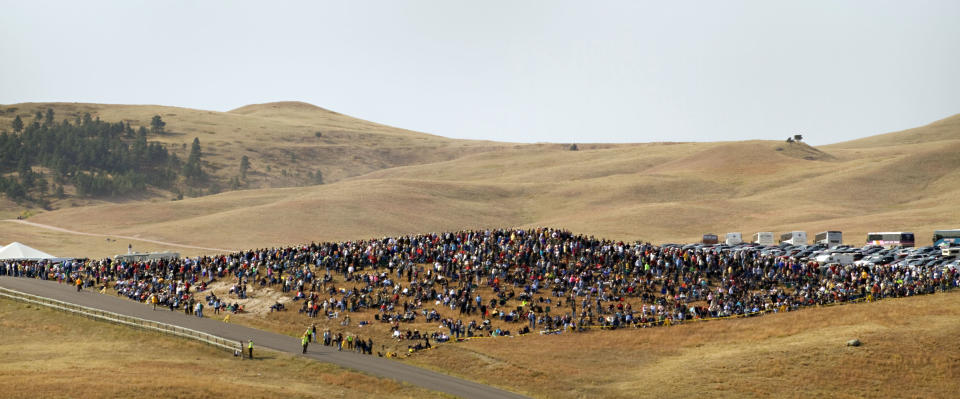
[(192, 169), (17, 124), (157, 124), (244, 166)]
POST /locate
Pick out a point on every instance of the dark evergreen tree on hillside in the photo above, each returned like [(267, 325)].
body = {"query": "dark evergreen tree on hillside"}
[(93, 155), (192, 169), (244, 167), (48, 118), (17, 124), (157, 124), (25, 173)]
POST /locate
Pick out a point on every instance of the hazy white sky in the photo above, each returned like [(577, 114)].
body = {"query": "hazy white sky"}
[(524, 71)]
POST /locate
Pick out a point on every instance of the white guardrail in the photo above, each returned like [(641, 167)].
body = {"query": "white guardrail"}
[(210, 339)]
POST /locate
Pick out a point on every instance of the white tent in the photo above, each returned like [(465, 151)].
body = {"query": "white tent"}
[(18, 251)]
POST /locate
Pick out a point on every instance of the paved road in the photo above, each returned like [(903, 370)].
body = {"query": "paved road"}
[(63, 230), (262, 339)]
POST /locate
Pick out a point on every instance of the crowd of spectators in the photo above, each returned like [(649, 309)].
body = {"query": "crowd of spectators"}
[(505, 282)]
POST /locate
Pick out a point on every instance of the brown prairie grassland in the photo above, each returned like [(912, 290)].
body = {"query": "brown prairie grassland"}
[(387, 181), (52, 354), (910, 349)]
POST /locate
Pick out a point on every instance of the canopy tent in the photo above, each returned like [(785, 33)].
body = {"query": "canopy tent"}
[(18, 251)]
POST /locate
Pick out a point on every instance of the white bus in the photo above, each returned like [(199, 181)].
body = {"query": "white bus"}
[(734, 238), (831, 238), (891, 239), (763, 238), (794, 238)]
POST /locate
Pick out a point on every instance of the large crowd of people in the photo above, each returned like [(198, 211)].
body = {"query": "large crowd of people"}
[(502, 282)]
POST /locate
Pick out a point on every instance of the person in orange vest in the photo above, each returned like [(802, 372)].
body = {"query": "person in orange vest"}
[(79, 283)]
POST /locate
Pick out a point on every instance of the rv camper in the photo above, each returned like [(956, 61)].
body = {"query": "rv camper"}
[(763, 238), (734, 238)]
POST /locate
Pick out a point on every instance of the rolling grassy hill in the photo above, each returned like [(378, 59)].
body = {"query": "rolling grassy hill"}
[(284, 141), (391, 181), (387, 181)]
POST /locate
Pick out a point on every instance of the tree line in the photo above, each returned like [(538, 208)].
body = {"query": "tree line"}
[(99, 158)]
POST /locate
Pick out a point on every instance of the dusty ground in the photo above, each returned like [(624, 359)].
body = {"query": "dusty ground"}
[(258, 300)]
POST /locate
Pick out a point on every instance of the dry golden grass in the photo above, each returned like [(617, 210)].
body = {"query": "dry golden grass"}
[(390, 181), (74, 245), (279, 135), (656, 192), (661, 192), (51, 354), (909, 350)]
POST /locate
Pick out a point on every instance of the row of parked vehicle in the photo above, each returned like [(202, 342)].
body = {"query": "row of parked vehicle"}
[(868, 255), (946, 239)]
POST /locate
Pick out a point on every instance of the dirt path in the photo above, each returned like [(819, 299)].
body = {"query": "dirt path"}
[(63, 230), (374, 365)]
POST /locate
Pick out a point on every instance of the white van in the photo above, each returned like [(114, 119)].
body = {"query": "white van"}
[(950, 252), (836, 257)]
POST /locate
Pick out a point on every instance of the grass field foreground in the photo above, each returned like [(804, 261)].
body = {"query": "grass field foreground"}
[(52, 354), (910, 349)]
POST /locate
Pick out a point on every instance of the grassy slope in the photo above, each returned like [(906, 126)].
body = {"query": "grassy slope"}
[(909, 350), (657, 191), (51, 354), (661, 192), (279, 135)]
